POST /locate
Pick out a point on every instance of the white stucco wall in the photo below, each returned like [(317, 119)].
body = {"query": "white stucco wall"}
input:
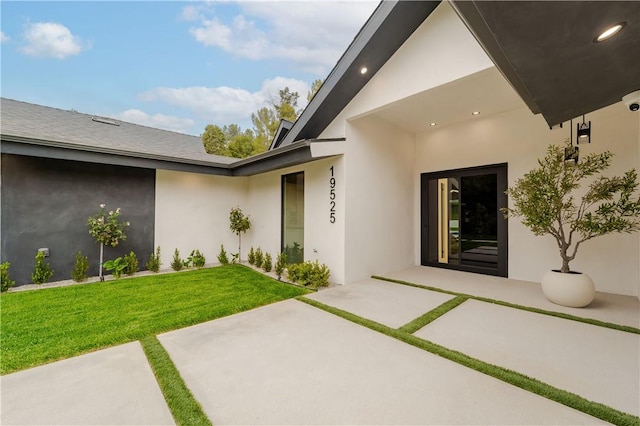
[(192, 212), (323, 240), (441, 50), (379, 198), (519, 138)]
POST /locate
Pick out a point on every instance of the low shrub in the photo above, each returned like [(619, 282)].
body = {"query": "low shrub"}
[(222, 256), (116, 265), (177, 264), (5, 281), (259, 257), (80, 268), (281, 264), (251, 258), (130, 264), (42, 271), (309, 274), (235, 257), (153, 264), (196, 259), (266, 263)]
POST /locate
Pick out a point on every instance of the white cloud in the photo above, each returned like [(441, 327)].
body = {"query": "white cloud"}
[(311, 34), (225, 105), (159, 121), (4, 38), (50, 40)]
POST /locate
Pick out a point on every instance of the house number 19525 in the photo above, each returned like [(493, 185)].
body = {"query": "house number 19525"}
[(332, 197)]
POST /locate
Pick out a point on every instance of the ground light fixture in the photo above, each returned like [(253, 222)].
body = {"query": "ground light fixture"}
[(432, 124), (609, 32), (583, 132)]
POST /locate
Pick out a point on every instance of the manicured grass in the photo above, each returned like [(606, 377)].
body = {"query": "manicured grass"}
[(51, 324), (569, 399), (184, 407), (625, 328), (432, 315)]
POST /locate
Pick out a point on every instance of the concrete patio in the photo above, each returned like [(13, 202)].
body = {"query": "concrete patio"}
[(292, 363)]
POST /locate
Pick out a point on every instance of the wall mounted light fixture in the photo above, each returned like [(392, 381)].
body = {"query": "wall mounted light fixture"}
[(583, 132)]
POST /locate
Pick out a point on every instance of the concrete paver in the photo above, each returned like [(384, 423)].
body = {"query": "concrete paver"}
[(597, 363), (290, 363), (381, 301), (618, 309), (114, 386)]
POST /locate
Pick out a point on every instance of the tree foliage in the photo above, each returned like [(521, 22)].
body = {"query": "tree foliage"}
[(544, 198), (315, 86), (230, 140)]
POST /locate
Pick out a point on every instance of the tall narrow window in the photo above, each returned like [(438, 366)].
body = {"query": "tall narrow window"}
[(293, 217)]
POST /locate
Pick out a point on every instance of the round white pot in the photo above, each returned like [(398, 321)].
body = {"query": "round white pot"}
[(573, 289)]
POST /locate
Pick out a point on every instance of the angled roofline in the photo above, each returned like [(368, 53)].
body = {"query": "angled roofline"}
[(390, 25), (283, 129)]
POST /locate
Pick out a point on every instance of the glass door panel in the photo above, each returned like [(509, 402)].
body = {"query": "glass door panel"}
[(462, 226)]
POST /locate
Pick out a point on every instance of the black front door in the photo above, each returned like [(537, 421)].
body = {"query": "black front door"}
[(461, 225)]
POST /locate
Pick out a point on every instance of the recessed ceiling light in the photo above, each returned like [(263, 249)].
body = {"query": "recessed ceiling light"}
[(475, 113), (610, 32), (363, 70), (432, 124)]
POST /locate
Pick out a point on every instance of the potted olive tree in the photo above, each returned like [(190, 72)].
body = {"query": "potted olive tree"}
[(544, 198)]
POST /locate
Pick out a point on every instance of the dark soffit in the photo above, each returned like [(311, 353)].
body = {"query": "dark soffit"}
[(546, 51)]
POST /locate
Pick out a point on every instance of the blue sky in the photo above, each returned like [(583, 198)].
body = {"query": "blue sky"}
[(175, 65)]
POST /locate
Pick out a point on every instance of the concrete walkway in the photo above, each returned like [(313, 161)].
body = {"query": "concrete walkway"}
[(291, 363)]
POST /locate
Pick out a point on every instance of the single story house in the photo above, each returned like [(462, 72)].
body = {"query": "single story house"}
[(401, 158)]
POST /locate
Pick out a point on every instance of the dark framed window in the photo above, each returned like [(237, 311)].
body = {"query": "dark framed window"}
[(293, 217)]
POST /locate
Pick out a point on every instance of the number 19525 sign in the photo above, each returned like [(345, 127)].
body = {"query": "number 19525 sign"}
[(332, 197)]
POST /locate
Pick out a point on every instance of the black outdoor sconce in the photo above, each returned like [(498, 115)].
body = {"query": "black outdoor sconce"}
[(583, 132)]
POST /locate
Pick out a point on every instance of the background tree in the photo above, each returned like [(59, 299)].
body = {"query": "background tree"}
[(214, 140), (230, 140), (315, 86)]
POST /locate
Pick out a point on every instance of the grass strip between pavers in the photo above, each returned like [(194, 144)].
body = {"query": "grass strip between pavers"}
[(569, 399), (184, 407), (432, 315), (625, 328)]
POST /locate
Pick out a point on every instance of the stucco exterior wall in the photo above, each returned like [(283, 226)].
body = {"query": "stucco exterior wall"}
[(441, 50), (379, 230), (46, 204), (192, 212), (519, 138), (323, 240)]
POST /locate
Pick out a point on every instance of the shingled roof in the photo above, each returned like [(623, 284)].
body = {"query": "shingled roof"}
[(36, 130), (25, 122)]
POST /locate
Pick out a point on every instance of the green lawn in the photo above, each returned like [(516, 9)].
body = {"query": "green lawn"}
[(42, 326)]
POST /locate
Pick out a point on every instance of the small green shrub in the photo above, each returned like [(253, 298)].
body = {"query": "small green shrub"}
[(309, 274), (251, 258), (267, 263), (281, 263), (222, 256), (153, 264), (42, 271), (196, 259), (5, 281), (80, 268), (235, 257), (117, 265), (131, 264), (259, 257), (177, 264)]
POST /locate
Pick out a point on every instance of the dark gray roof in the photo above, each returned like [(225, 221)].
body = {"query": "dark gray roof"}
[(24, 122), (35, 130)]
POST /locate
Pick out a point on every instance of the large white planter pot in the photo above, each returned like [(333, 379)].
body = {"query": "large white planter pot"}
[(573, 289)]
